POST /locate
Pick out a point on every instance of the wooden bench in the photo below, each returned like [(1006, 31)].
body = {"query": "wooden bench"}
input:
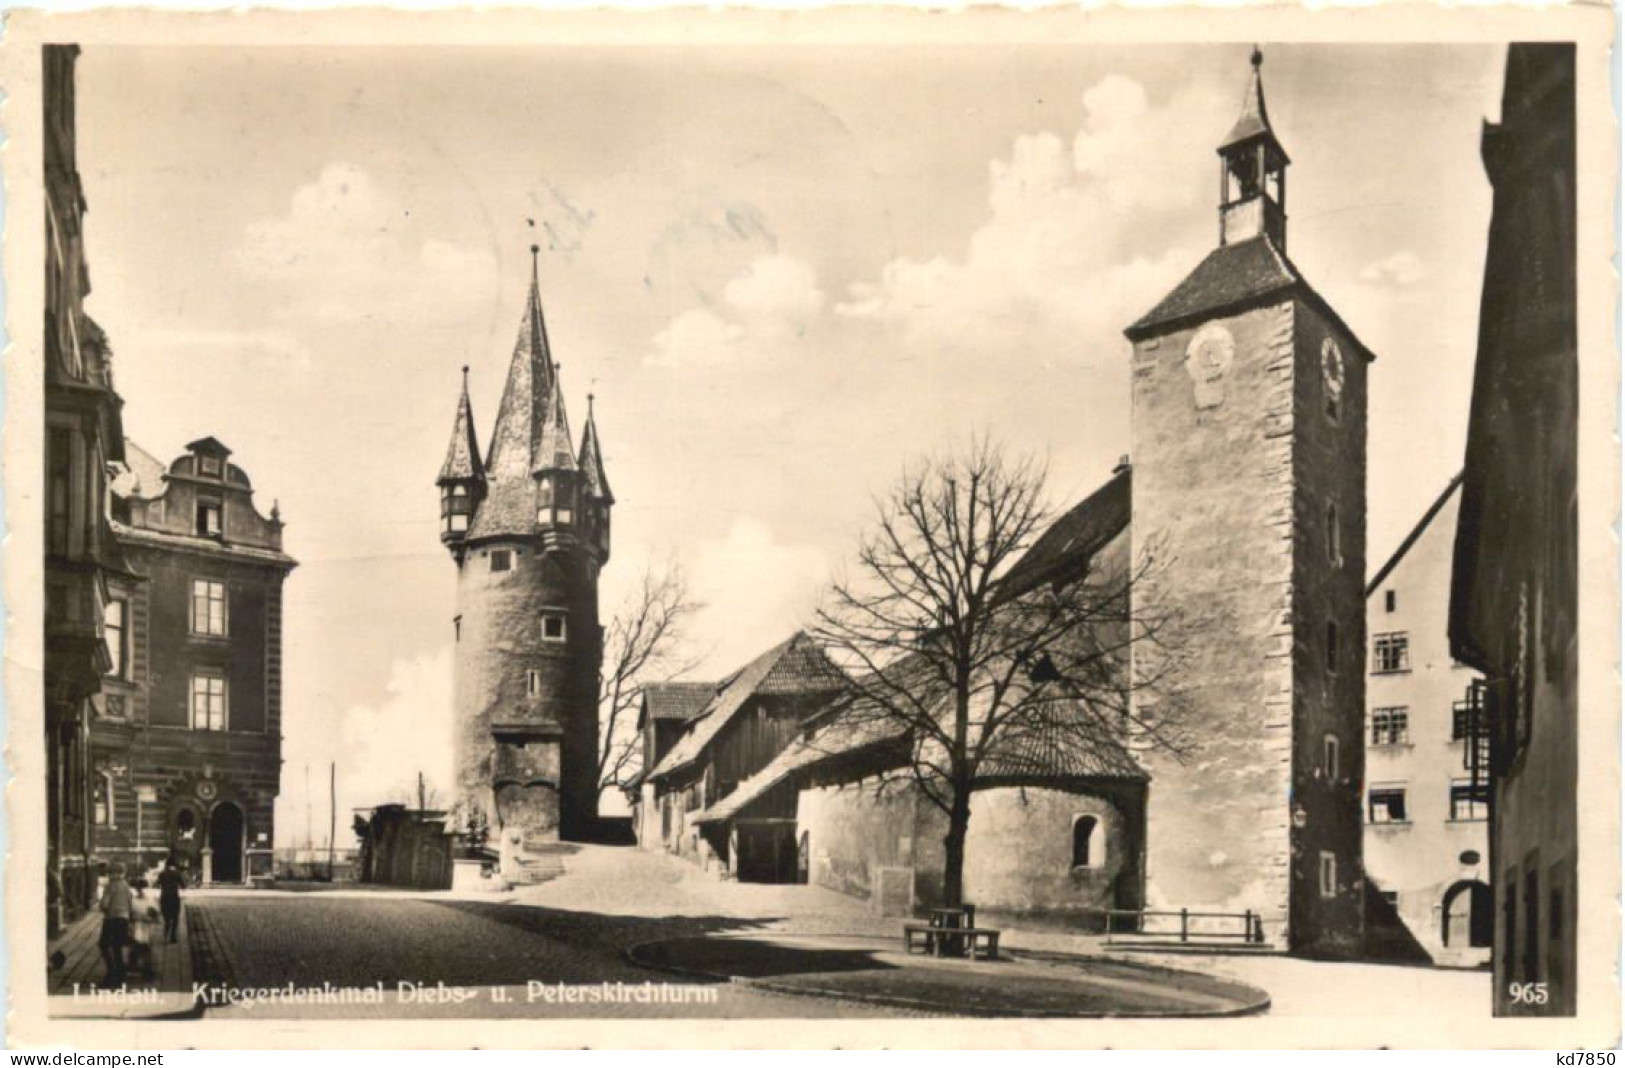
[(984, 941)]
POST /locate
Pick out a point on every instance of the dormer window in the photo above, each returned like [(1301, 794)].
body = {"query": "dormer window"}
[(209, 465), (208, 519)]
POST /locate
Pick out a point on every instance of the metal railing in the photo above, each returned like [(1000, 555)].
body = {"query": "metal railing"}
[(1192, 926)]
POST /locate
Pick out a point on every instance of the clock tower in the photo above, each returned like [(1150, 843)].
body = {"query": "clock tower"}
[(1249, 449)]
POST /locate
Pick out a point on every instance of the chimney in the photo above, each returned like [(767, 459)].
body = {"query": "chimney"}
[(1122, 465)]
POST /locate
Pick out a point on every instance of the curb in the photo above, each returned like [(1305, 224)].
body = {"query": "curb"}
[(634, 956)]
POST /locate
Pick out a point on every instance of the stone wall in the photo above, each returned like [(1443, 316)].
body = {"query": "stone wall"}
[(1328, 587), (856, 829), (1213, 498), (1019, 854), (500, 640)]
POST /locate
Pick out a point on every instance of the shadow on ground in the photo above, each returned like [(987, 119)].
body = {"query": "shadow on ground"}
[(879, 972)]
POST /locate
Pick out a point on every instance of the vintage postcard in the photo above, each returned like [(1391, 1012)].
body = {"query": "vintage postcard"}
[(849, 527)]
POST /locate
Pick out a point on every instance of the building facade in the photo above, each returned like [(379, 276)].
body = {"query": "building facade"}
[(1249, 451), (528, 526), (187, 740), (83, 434), (1426, 834), (1514, 593)]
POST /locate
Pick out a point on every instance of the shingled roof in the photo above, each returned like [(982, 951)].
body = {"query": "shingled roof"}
[(677, 700), (463, 454), (593, 476), (794, 667), (1066, 548), (1233, 278)]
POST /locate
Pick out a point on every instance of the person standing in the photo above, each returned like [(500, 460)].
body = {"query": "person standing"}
[(169, 898), (117, 904)]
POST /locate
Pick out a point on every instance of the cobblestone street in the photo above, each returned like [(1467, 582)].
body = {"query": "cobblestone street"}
[(512, 950)]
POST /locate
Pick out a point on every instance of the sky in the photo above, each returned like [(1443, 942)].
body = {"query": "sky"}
[(783, 272)]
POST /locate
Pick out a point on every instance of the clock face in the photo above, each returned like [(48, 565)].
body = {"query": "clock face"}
[(206, 790), (1331, 366)]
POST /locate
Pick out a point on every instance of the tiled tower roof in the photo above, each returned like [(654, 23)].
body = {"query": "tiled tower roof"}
[(593, 476), (553, 449), (463, 454)]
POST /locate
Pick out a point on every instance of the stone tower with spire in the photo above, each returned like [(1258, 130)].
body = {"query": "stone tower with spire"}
[(528, 528), (1249, 450)]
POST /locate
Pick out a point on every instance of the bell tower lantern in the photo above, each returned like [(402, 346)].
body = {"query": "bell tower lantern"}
[(1252, 172)]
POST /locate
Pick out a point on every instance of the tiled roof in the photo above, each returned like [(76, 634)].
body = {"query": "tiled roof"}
[(592, 461), (1231, 276), (510, 504), (463, 454), (1067, 546), (677, 700), (797, 666), (554, 450), (1062, 749)]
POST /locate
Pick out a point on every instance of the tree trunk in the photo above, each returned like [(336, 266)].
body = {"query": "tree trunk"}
[(953, 865)]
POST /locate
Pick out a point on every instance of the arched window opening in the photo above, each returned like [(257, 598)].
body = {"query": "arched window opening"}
[(1083, 833)]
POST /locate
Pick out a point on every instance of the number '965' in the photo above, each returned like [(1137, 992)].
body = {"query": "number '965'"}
[(1527, 993)]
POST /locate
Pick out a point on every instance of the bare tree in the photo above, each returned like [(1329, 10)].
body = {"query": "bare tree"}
[(991, 668), (642, 644)]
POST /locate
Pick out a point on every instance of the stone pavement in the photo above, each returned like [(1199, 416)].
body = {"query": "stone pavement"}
[(560, 949), (76, 985)]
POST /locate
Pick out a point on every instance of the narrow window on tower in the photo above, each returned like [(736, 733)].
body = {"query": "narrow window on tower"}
[(533, 683), (1331, 646), (553, 627), (1331, 760), (456, 628), (1334, 536), (1390, 600), (1328, 875)]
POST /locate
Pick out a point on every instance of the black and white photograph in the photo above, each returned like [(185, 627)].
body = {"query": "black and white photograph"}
[(772, 534)]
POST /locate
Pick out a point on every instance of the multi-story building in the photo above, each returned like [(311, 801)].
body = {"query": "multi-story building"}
[(1426, 841), (1514, 598), (1249, 452), (83, 434), (187, 740), (528, 526)]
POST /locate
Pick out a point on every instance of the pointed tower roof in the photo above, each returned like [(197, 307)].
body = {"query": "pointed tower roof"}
[(592, 460), (553, 451), (463, 454), (1254, 120), (524, 398)]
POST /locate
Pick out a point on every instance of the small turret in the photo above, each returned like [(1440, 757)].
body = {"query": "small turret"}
[(554, 469), (1252, 172), (462, 476), (595, 492)]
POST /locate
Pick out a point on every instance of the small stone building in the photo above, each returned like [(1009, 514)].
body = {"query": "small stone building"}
[(405, 847)]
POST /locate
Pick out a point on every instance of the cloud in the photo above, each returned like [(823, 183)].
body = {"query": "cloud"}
[(757, 590), (1059, 265), (348, 249), (772, 301), (380, 747), (1400, 269)]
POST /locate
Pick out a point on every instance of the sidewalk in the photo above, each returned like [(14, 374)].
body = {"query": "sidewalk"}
[(75, 989)]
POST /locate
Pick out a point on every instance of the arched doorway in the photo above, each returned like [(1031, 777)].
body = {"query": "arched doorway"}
[(1468, 917), (226, 843)]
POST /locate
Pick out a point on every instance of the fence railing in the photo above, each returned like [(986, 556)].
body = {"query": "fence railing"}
[(1185, 925)]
